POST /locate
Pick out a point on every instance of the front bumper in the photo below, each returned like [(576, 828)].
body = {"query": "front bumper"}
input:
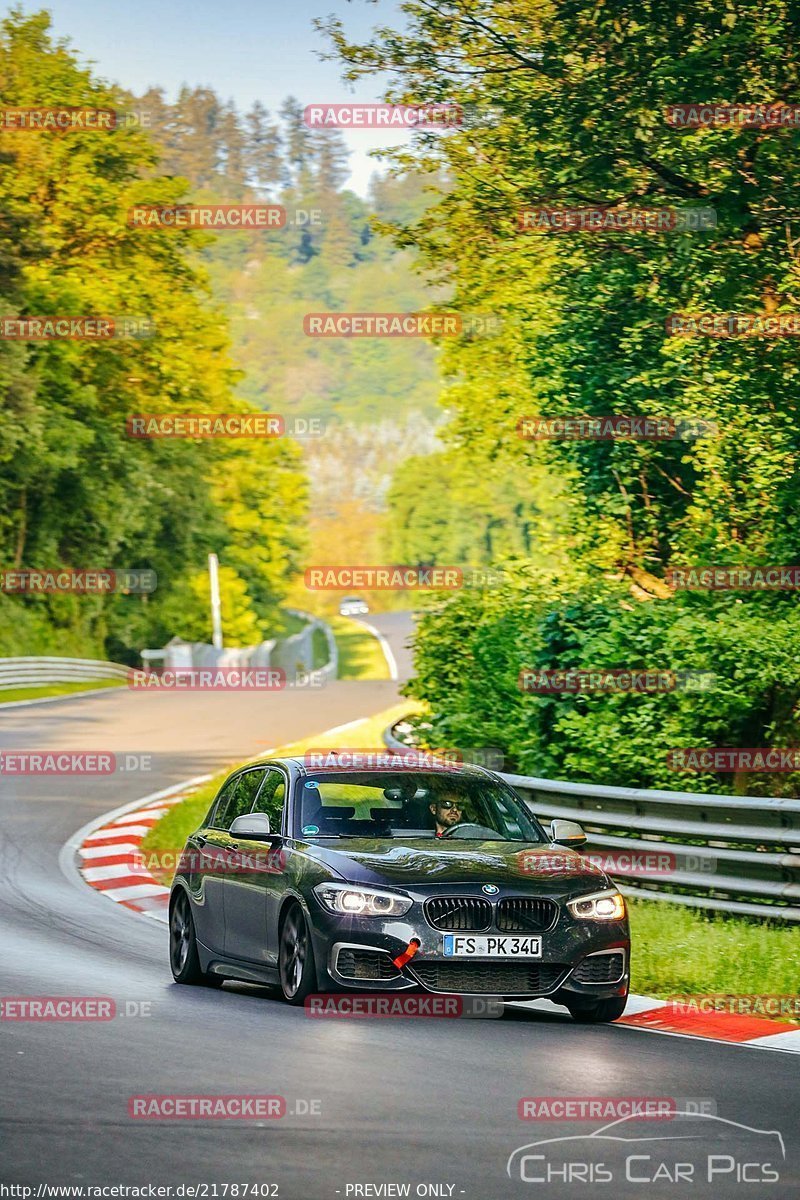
[(357, 953)]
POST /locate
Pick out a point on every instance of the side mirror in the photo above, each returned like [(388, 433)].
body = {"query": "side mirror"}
[(254, 826), (563, 833)]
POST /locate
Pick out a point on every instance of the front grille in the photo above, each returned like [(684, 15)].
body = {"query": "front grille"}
[(526, 914), (484, 979), (459, 914), (601, 968), (354, 963)]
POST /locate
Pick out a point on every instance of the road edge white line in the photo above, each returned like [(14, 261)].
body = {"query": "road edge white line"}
[(388, 654)]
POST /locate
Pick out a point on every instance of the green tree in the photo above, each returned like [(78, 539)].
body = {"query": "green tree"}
[(262, 148), (573, 105), (568, 108), (76, 489)]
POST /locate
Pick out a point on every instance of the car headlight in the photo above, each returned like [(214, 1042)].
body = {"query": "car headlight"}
[(600, 906), (344, 898)]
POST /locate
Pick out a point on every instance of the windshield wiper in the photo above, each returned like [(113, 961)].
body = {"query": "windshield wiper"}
[(335, 837)]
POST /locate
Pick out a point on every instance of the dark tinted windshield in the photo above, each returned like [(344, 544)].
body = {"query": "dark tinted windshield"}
[(400, 804)]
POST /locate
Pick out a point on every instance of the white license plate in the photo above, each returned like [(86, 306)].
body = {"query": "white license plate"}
[(458, 945)]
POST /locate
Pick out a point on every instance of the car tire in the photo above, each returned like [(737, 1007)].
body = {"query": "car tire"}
[(183, 957), (296, 968), (598, 1012)]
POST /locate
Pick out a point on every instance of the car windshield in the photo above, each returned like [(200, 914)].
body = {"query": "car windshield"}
[(401, 804)]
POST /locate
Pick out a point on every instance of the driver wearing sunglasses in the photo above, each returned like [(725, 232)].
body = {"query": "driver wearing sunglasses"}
[(447, 810)]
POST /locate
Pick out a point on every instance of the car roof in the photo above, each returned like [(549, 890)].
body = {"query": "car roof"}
[(298, 764)]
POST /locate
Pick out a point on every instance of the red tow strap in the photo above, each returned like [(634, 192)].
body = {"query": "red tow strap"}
[(409, 952)]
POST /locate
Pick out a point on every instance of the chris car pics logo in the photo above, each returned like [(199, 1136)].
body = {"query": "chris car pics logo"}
[(695, 1147)]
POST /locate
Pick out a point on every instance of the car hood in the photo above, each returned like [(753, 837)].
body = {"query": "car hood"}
[(425, 863)]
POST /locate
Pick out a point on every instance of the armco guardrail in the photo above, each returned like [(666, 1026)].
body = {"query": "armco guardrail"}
[(293, 654), (34, 672), (331, 668), (738, 854), (38, 671)]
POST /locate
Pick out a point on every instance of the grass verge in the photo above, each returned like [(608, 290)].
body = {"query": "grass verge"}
[(286, 624), (681, 951), (360, 653), (319, 644), (56, 689)]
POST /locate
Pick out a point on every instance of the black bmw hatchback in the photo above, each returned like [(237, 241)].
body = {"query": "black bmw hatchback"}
[(390, 878)]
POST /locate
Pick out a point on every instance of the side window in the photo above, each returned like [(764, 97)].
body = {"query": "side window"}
[(217, 814), (271, 798), (242, 797)]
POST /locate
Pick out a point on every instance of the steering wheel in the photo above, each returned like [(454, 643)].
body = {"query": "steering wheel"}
[(468, 825)]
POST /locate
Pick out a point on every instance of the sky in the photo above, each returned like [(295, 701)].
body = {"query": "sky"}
[(245, 50)]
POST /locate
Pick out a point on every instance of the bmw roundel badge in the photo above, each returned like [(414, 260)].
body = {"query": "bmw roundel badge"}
[(490, 889)]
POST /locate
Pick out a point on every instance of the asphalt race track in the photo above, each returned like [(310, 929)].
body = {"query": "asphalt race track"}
[(370, 1102)]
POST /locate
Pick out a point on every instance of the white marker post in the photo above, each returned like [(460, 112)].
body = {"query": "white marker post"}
[(216, 614)]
